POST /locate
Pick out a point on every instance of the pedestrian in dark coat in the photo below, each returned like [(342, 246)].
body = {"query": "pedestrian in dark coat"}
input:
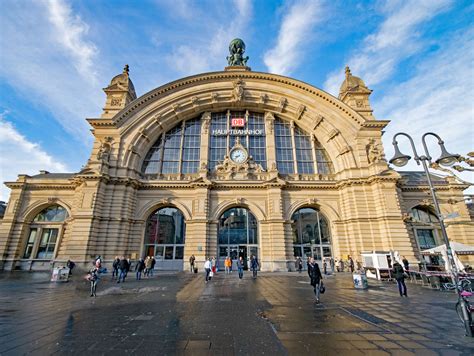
[(124, 266), (139, 267), (115, 267), (315, 276), (240, 267), (254, 266), (399, 275)]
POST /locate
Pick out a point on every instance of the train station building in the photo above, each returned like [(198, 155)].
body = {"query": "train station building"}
[(229, 163)]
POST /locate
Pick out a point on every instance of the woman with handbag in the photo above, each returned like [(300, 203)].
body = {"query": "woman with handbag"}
[(316, 277)]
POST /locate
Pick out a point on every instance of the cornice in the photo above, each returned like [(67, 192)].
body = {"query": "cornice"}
[(97, 122), (375, 124), (232, 75)]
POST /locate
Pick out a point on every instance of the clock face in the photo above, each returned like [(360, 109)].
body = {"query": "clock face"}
[(238, 155)]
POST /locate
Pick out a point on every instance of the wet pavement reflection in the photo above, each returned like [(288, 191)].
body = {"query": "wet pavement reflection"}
[(179, 314)]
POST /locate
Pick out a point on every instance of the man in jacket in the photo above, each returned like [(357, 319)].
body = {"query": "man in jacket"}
[(139, 267), (191, 263), (124, 266), (399, 275), (254, 266), (315, 276)]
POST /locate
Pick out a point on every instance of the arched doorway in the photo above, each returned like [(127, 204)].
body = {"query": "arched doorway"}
[(164, 238), (237, 235), (311, 235)]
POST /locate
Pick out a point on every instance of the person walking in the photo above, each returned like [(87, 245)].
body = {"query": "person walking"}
[(124, 266), (153, 263), (254, 266), (192, 259), (351, 264), (406, 265), (299, 264), (399, 275), (315, 277), (325, 267), (341, 265), (93, 278), (115, 267), (331, 262), (213, 265), (147, 266), (207, 269), (227, 264), (139, 267), (240, 267), (70, 265)]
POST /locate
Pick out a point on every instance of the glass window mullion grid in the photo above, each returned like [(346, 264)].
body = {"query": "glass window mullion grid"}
[(295, 163), (180, 163), (284, 147), (313, 152)]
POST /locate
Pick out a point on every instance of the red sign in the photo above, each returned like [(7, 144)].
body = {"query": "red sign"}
[(237, 122)]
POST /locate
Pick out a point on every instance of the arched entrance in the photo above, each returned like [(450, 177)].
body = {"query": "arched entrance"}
[(311, 235), (164, 238), (237, 235)]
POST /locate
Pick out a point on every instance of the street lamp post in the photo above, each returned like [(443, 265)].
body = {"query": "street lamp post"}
[(446, 159)]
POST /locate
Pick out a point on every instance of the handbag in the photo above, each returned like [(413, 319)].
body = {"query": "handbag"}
[(322, 288), (211, 274)]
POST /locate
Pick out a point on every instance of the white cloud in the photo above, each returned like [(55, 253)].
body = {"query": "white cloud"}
[(295, 29), (20, 156), (438, 98), (397, 38), (46, 65), (209, 53), (70, 33)]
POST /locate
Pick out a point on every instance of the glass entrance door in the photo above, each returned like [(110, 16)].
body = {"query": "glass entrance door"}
[(237, 236)]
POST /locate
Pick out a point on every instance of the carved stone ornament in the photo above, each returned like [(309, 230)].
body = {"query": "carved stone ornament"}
[(374, 152), (239, 201), (165, 201), (269, 120), (176, 108), (206, 122), (52, 199), (144, 132), (300, 111), (311, 201), (281, 104), (116, 102), (425, 202), (319, 119), (238, 91), (344, 150), (214, 97), (104, 150), (263, 98), (407, 217), (195, 101), (228, 169), (332, 134)]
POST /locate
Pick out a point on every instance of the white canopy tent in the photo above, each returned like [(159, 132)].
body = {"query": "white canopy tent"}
[(457, 249)]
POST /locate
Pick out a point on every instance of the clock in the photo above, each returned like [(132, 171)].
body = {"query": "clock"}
[(238, 155)]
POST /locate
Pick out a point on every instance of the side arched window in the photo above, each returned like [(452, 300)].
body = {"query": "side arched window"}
[(44, 233)]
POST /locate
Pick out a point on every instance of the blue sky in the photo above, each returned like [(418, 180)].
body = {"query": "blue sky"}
[(56, 56)]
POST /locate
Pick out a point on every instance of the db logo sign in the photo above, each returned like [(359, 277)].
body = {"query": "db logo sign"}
[(237, 122)]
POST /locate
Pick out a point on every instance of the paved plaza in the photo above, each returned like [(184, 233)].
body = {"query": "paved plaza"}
[(178, 314)]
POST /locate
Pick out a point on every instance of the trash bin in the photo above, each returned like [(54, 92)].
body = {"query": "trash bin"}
[(60, 274), (360, 281)]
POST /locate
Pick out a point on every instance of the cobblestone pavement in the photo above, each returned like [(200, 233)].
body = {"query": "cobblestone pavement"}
[(178, 314)]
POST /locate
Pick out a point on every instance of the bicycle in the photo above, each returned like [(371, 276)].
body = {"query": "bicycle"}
[(463, 285), (464, 309)]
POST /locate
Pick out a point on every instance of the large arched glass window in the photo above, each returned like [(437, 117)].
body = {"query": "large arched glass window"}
[(177, 151), (296, 154), (164, 236), (426, 226), (44, 233), (311, 235), (250, 131)]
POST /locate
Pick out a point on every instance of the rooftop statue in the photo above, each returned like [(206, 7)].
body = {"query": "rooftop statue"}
[(236, 50)]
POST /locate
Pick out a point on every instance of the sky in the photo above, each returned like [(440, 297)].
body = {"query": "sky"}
[(56, 56)]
